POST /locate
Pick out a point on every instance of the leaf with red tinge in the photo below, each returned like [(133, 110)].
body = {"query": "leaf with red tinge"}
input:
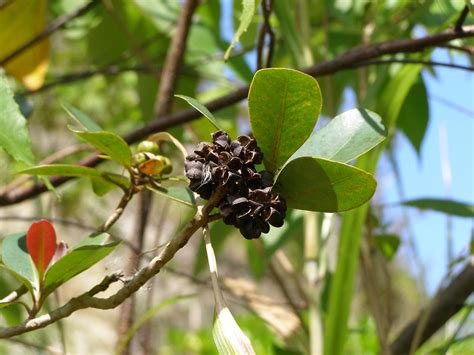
[(41, 244)]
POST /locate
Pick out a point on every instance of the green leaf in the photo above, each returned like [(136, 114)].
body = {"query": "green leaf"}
[(16, 258), (454, 208), (180, 194), (256, 261), (27, 283), (317, 184), (249, 7), (284, 105), (76, 261), (109, 143), (387, 244), (82, 119), (62, 170), (201, 108), (14, 136), (414, 114), (345, 137)]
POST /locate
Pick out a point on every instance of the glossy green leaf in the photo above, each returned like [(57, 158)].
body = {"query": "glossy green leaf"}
[(109, 143), (454, 208), (284, 105), (14, 136), (76, 261), (414, 114), (387, 244), (82, 119), (248, 11), (201, 108), (317, 184), (181, 194), (15, 257), (345, 137)]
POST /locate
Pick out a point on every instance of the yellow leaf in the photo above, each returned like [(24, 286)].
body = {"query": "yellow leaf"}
[(20, 21)]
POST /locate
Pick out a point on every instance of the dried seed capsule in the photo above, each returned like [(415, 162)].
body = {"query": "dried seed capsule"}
[(249, 203)]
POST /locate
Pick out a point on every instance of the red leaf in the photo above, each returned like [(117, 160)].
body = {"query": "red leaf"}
[(41, 244)]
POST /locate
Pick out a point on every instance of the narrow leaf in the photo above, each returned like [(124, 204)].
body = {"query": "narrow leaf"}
[(165, 136), (61, 170), (41, 244), (248, 11), (284, 106), (454, 208), (201, 108), (345, 137), (109, 143), (14, 136), (82, 119), (76, 261), (180, 194), (316, 184)]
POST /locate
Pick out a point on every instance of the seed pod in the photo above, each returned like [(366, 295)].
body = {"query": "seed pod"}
[(249, 202)]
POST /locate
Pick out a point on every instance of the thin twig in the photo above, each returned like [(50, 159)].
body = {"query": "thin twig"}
[(88, 299), (52, 27), (127, 196), (412, 61), (342, 62), (461, 19), (466, 49), (266, 29)]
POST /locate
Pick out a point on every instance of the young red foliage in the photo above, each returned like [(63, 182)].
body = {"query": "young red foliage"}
[(41, 244)]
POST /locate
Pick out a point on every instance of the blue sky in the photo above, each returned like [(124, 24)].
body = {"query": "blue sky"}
[(423, 178)]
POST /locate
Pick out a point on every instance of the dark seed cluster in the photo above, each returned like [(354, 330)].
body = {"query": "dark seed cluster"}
[(249, 202)]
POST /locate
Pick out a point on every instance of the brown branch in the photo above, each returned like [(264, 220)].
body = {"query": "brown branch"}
[(412, 61), (445, 305), (174, 58), (342, 62), (52, 27), (163, 104), (266, 29), (88, 299)]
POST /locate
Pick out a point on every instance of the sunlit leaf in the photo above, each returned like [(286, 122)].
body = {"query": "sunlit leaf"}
[(248, 11), (14, 136), (345, 137), (201, 108), (109, 143), (82, 119), (284, 106)]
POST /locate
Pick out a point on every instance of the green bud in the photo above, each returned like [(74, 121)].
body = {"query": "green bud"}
[(148, 147), (139, 158), (168, 167)]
